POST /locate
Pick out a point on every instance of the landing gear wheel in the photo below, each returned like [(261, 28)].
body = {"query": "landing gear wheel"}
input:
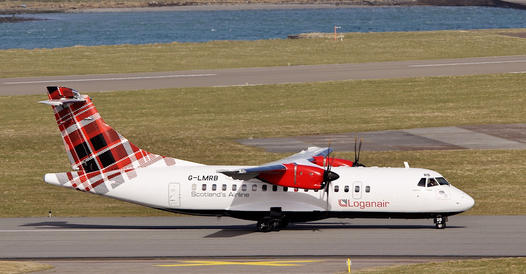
[(275, 225), (269, 224), (263, 225), (440, 222)]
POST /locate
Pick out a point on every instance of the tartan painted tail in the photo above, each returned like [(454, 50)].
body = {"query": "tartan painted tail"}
[(92, 145)]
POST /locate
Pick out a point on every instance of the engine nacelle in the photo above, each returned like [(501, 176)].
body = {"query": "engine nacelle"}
[(297, 176), (335, 162)]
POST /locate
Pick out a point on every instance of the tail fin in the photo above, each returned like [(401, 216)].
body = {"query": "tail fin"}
[(91, 144)]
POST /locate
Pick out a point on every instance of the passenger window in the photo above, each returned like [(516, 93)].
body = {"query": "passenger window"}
[(224, 187), (442, 181), (243, 187), (234, 187), (356, 189), (422, 182), (346, 189), (214, 187), (274, 188), (264, 187), (367, 189), (203, 187), (336, 188), (432, 182), (254, 187), (285, 189)]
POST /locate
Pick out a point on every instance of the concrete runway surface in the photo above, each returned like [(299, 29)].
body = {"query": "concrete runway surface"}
[(492, 136), (180, 237), (309, 264), (266, 75)]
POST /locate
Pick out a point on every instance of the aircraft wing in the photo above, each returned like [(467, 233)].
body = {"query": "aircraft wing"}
[(301, 158)]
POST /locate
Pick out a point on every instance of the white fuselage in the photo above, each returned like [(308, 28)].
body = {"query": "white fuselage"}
[(359, 192)]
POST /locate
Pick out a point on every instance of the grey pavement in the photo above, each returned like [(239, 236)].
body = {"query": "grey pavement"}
[(491, 136), (266, 75), (309, 264), (181, 237)]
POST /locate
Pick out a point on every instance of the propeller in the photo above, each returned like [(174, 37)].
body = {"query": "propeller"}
[(328, 175), (356, 161)]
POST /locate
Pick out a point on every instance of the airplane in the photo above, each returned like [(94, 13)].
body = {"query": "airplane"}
[(307, 186)]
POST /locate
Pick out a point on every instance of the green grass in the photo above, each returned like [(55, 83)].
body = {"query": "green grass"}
[(202, 124), (355, 48), (504, 266)]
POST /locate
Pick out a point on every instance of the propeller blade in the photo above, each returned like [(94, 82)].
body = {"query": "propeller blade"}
[(359, 150), (355, 155)]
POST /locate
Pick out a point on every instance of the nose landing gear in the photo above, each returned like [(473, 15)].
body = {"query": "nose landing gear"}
[(440, 222)]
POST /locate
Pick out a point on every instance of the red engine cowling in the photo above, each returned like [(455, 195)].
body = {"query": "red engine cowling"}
[(335, 162), (300, 176)]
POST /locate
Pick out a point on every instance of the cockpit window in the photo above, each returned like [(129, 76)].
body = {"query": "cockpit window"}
[(442, 181), (432, 182), (422, 182)]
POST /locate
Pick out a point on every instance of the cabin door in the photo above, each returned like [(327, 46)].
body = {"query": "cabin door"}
[(174, 195)]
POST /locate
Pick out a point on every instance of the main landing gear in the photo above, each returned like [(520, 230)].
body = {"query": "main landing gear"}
[(440, 222), (275, 222)]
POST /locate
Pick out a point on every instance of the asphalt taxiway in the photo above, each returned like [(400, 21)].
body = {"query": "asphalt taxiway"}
[(491, 136), (320, 264), (182, 237), (267, 75)]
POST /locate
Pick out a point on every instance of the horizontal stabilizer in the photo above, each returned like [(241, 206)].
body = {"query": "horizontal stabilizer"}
[(59, 102), (59, 96)]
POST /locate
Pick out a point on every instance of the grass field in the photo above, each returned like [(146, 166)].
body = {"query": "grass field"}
[(70, 5), (202, 124), (15, 267), (483, 266), (355, 48)]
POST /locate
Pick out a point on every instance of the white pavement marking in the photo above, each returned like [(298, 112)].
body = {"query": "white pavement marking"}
[(465, 138), (112, 79), (468, 63)]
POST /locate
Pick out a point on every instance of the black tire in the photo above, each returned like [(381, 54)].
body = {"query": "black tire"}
[(440, 222), (275, 225), (263, 226)]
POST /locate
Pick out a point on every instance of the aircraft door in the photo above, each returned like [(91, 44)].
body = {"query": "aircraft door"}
[(174, 195), (357, 190)]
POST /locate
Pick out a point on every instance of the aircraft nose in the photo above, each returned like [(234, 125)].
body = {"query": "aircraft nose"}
[(467, 201)]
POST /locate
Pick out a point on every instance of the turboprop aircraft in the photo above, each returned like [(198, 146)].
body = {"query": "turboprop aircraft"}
[(306, 186)]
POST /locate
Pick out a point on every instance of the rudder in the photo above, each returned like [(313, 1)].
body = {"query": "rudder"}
[(91, 144)]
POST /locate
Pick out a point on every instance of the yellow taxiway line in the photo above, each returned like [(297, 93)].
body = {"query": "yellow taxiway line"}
[(254, 263)]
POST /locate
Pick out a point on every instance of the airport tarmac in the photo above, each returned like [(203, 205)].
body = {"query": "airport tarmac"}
[(267, 75), (309, 264), (187, 236), (491, 136)]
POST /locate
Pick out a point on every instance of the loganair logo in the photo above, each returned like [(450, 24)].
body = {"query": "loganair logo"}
[(362, 204)]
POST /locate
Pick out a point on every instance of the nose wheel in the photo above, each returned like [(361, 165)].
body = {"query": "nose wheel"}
[(440, 222)]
